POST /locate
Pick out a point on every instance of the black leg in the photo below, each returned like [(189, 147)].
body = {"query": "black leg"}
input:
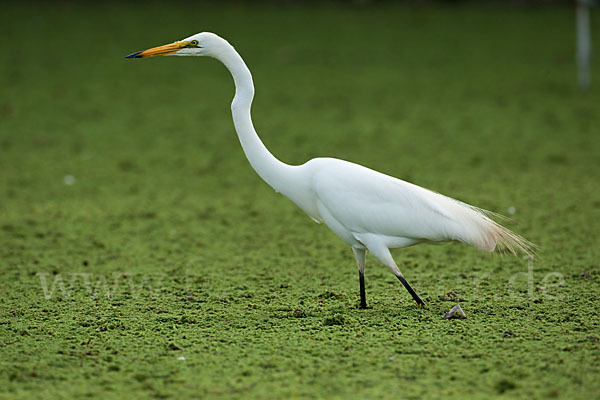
[(363, 297), (411, 291)]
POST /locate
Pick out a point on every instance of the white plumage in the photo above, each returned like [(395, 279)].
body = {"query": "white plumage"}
[(367, 209)]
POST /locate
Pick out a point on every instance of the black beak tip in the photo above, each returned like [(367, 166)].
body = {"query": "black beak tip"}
[(134, 55)]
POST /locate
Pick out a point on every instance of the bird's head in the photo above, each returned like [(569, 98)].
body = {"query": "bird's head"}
[(200, 44)]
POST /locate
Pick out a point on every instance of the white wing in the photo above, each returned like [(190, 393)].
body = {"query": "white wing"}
[(366, 201)]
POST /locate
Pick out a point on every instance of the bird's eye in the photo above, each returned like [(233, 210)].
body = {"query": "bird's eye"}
[(194, 43)]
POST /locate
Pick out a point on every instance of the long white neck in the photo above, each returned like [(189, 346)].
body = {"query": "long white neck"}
[(269, 168)]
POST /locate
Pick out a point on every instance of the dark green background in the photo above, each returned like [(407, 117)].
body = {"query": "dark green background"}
[(477, 102)]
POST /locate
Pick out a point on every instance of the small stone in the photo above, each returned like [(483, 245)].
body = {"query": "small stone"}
[(181, 358), (455, 313)]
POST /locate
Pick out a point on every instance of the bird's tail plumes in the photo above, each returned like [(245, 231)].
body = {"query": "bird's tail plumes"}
[(474, 226), (492, 236), (507, 240)]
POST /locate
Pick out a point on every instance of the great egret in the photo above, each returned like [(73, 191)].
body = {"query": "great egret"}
[(367, 209)]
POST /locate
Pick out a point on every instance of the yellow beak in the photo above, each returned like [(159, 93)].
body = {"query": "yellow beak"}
[(160, 50)]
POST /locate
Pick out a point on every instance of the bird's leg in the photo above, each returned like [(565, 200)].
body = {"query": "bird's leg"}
[(410, 290), (363, 296), (359, 254), (382, 253)]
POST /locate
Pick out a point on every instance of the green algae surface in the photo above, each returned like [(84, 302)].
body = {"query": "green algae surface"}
[(142, 257)]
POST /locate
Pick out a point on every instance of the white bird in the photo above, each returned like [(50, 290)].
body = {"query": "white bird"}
[(368, 210)]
